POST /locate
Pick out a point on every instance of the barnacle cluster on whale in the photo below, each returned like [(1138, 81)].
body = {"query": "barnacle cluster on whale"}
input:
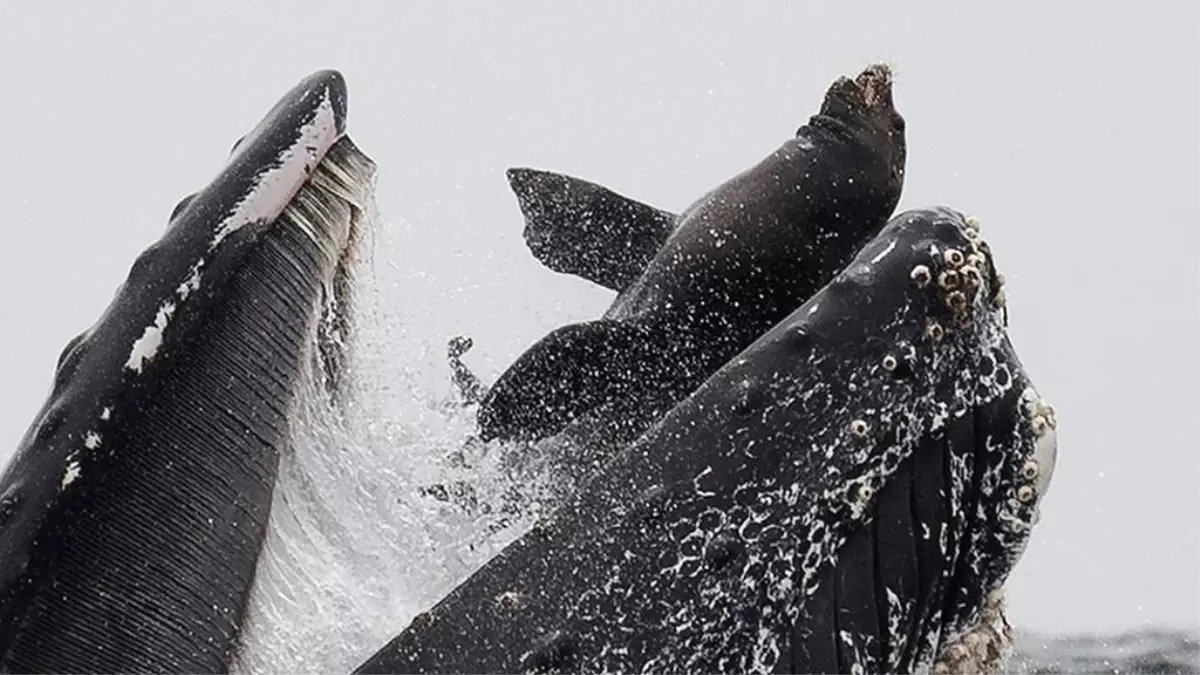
[(800, 439)]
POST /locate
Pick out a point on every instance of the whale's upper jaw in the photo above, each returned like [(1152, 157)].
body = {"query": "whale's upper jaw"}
[(181, 387), (986, 454)]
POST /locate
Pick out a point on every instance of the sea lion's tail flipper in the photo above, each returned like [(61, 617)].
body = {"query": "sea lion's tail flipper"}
[(577, 227), (565, 374)]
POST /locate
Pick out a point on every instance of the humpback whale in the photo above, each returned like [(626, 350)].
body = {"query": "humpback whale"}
[(134, 509), (695, 288), (847, 491), (847, 494)]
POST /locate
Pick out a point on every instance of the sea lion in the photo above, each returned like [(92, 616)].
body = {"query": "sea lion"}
[(697, 288)]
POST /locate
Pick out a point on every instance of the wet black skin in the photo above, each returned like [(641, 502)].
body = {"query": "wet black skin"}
[(142, 561), (734, 264), (730, 478)]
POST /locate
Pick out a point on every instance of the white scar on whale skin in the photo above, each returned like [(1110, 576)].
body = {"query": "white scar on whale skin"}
[(882, 254), (145, 347), (74, 470), (192, 283)]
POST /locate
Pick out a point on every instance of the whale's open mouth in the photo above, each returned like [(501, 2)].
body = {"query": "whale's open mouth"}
[(136, 505), (848, 493)]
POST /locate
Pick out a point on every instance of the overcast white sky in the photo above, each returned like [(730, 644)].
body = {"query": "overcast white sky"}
[(1069, 129)]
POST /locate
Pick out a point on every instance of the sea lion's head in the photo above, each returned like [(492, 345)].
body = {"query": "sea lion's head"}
[(862, 109)]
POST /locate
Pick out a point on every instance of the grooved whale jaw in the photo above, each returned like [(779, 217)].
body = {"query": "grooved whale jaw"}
[(135, 506)]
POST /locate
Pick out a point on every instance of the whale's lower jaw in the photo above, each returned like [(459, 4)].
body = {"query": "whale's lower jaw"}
[(162, 535), (135, 509)]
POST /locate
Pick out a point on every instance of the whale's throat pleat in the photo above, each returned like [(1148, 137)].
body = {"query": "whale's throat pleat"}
[(171, 509)]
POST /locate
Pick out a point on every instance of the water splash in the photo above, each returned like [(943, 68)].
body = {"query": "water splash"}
[(362, 537)]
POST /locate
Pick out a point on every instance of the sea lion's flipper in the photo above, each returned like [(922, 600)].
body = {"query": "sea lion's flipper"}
[(568, 372), (469, 386), (577, 227)]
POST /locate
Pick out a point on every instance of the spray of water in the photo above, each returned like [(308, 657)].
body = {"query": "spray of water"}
[(383, 504)]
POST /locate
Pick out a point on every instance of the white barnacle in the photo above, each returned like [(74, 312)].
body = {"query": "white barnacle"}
[(934, 331), (1026, 494), (1040, 427), (956, 301), (954, 257), (1046, 412), (972, 223), (1029, 470), (510, 601), (423, 620), (920, 276), (1043, 421), (949, 280), (889, 363), (865, 492), (859, 428), (971, 276)]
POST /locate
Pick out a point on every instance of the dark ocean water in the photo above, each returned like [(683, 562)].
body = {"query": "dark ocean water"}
[(1141, 651)]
